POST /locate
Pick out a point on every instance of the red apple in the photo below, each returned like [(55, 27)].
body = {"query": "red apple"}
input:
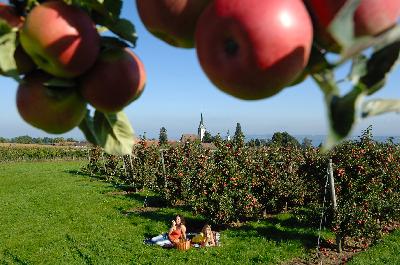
[(117, 78), (371, 17), (61, 39), (173, 21), (52, 109), (252, 49), (9, 14)]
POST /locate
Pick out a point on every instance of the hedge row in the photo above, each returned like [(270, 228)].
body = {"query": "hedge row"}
[(10, 153)]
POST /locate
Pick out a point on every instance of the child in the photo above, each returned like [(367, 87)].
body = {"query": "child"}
[(209, 240)]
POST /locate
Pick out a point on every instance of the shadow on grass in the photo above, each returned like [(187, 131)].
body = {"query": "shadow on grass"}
[(8, 254), (77, 173), (118, 186), (290, 222), (279, 233), (164, 212), (279, 228), (150, 200), (156, 209)]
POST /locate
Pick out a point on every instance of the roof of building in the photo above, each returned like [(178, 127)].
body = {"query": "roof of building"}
[(189, 138), (210, 146)]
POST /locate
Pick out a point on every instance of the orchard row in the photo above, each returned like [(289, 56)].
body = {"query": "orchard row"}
[(237, 183)]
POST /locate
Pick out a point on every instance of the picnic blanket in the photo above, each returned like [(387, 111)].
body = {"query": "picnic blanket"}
[(163, 241), (160, 240)]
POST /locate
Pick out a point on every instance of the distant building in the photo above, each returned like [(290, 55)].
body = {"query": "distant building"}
[(195, 137), (210, 146), (189, 138), (202, 129)]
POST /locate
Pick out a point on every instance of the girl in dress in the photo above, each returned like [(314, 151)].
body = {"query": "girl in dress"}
[(177, 230)]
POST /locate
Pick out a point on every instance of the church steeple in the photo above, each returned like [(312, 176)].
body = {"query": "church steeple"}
[(202, 129), (228, 136)]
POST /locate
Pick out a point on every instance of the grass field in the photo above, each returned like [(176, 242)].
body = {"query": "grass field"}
[(52, 215), (386, 251)]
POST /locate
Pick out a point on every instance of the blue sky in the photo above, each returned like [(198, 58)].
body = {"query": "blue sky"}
[(177, 91)]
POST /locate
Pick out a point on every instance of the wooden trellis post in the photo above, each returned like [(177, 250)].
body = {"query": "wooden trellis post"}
[(339, 238)]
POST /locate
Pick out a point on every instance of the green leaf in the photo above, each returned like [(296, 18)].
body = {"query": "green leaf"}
[(87, 127), (114, 7), (380, 106), (341, 110), (112, 131), (343, 115), (8, 38), (107, 13), (363, 43), (124, 29), (358, 68), (105, 9), (342, 27), (4, 27), (368, 75), (378, 67)]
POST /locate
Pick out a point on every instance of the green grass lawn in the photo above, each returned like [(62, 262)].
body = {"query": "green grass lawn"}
[(387, 251), (49, 214)]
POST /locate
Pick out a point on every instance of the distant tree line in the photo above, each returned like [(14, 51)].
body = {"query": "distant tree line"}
[(278, 139), (26, 139), (281, 139), (237, 138)]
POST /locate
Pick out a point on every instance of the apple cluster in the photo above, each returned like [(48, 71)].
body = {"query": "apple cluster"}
[(252, 49), (65, 65)]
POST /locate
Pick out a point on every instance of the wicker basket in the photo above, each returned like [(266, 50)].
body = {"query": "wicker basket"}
[(183, 245)]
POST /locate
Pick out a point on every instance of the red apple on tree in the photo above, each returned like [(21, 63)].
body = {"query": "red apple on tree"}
[(52, 109), (173, 21), (252, 49), (371, 17), (61, 39), (117, 78)]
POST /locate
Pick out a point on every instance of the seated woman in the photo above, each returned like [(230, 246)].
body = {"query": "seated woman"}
[(177, 230), (209, 240)]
